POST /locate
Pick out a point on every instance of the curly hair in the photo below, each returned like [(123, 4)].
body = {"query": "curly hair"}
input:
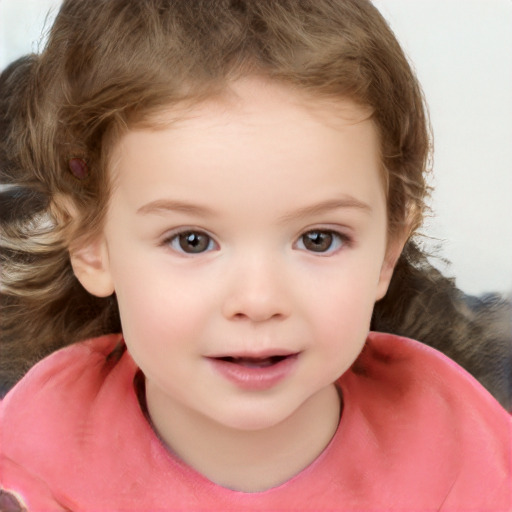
[(109, 65)]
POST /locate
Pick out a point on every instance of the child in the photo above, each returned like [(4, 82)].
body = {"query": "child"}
[(234, 180)]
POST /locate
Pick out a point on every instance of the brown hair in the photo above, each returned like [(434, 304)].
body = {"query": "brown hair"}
[(109, 65)]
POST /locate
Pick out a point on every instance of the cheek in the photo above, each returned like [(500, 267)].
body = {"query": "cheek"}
[(343, 304), (346, 314), (156, 305), (151, 310), (161, 333)]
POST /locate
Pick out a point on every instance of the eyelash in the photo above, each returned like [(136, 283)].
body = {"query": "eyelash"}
[(335, 241), (181, 236), (335, 238)]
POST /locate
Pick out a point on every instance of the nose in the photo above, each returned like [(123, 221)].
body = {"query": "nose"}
[(256, 292)]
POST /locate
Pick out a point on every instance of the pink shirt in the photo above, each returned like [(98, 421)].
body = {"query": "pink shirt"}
[(417, 433)]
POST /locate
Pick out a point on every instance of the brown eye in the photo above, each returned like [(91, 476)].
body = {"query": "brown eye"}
[(321, 241), (191, 242)]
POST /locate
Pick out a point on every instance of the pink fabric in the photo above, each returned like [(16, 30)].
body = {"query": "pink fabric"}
[(417, 433)]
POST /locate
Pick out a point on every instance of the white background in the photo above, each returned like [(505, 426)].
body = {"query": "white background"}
[(462, 52)]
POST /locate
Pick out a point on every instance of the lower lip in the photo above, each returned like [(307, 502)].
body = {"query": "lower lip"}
[(255, 378)]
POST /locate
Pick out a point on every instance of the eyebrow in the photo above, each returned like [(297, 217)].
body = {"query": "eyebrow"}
[(346, 202), (162, 206)]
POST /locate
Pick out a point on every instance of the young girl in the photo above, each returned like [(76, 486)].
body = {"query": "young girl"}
[(235, 181)]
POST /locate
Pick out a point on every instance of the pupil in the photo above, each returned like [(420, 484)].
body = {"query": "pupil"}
[(318, 241), (193, 242)]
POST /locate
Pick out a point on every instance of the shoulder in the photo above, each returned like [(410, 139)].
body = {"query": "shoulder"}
[(406, 365), (396, 370), (83, 365), (55, 399), (432, 421)]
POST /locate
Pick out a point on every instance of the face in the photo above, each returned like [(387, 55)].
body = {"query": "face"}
[(246, 244)]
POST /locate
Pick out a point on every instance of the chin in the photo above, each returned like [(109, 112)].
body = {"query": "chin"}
[(256, 419)]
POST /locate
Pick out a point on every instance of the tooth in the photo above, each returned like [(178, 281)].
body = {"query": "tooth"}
[(254, 362)]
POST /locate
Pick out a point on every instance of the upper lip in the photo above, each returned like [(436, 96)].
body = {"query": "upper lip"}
[(264, 354)]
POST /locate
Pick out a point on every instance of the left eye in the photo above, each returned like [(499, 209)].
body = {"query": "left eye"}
[(191, 242), (321, 241)]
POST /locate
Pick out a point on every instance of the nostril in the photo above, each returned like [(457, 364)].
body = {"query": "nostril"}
[(257, 317), (259, 307)]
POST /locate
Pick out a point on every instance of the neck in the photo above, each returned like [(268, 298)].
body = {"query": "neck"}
[(248, 460)]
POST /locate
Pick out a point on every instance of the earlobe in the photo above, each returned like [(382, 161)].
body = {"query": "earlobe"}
[(90, 264)]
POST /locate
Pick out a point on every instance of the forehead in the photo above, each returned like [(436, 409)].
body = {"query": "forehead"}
[(258, 101), (255, 106), (255, 134)]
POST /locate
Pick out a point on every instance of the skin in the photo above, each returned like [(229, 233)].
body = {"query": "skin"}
[(249, 174)]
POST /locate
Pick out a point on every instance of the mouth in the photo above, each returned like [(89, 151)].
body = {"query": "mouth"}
[(255, 372), (256, 362)]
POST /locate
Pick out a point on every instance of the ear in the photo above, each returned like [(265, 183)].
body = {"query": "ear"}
[(393, 252), (90, 264)]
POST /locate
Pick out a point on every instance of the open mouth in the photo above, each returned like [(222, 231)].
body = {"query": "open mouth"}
[(256, 362), (255, 373)]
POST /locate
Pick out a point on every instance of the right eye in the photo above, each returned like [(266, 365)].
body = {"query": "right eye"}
[(191, 242)]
